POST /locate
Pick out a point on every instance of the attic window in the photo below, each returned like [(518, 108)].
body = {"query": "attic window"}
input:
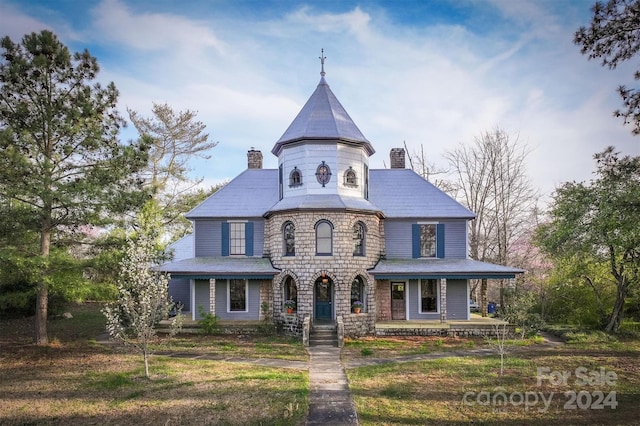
[(350, 178), (295, 178)]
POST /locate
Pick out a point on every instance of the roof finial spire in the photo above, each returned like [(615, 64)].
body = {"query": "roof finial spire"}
[(322, 58)]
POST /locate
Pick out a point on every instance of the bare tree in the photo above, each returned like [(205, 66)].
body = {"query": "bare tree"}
[(427, 169), (491, 180)]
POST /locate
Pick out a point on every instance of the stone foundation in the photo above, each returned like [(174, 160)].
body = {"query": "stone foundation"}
[(445, 330), (358, 325)]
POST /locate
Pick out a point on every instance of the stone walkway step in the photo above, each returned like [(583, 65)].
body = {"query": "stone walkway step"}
[(330, 401)]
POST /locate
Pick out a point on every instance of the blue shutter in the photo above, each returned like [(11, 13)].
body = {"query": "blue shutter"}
[(415, 240), (248, 238), (225, 238), (440, 240)]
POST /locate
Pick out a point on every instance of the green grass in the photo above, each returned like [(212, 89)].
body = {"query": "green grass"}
[(432, 391)]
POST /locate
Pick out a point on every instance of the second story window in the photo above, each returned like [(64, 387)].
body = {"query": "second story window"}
[(295, 177), (237, 238), (289, 236), (358, 239), (350, 178), (428, 240), (324, 238)]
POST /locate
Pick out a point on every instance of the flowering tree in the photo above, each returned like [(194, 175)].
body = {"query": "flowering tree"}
[(143, 299)]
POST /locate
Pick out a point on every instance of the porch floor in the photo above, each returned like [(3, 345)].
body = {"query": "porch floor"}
[(474, 321)]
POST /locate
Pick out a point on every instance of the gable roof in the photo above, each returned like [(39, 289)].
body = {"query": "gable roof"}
[(402, 193), (323, 118)]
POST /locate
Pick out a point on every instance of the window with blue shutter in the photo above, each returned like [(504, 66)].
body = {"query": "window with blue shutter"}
[(440, 240), (415, 240), (248, 236), (427, 240), (225, 239)]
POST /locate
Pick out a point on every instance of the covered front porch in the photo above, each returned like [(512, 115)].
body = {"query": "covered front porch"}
[(476, 325)]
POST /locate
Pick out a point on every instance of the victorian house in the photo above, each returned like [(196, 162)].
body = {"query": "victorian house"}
[(328, 235)]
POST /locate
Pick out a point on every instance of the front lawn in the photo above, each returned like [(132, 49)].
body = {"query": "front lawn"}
[(464, 390)]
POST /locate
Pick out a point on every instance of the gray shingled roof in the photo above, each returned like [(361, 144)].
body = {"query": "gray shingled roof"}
[(402, 193), (250, 194), (323, 117), (441, 268), (397, 193), (323, 202), (182, 248), (220, 267)]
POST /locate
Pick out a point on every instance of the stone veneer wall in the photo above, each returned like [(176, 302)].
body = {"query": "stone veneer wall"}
[(384, 300), (342, 267)]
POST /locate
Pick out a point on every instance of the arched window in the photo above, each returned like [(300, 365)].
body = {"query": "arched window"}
[(289, 238), (290, 293), (324, 238), (350, 178), (358, 293), (295, 177), (358, 239)]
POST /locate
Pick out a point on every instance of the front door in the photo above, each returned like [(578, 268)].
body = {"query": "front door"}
[(323, 300), (398, 305)]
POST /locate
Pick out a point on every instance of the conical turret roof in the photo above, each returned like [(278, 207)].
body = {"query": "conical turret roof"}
[(323, 118)]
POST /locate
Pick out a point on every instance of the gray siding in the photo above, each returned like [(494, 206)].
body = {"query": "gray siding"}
[(202, 297), (457, 299), (179, 292), (414, 304), (455, 239), (253, 302), (258, 237), (208, 235), (398, 238)]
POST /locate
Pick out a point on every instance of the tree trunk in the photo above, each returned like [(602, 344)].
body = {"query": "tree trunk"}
[(145, 354), (483, 297), (615, 319), (42, 298)]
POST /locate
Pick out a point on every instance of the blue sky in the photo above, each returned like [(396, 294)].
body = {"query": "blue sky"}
[(431, 73)]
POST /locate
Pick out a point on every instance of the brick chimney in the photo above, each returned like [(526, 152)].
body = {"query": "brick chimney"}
[(397, 158), (254, 159)]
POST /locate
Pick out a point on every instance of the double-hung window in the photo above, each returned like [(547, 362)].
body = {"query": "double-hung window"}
[(428, 240), (429, 296), (237, 245), (237, 294)]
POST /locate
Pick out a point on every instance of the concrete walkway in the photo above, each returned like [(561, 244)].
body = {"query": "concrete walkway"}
[(330, 401)]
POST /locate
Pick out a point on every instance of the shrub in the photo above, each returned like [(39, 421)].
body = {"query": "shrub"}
[(208, 322)]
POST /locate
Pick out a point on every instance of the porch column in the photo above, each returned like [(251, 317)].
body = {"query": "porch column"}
[(443, 300), (212, 296)]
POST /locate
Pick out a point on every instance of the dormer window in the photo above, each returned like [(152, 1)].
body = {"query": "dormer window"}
[(350, 178), (295, 178)]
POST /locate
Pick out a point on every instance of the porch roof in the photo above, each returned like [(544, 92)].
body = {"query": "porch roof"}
[(441, 268), (221, 268)]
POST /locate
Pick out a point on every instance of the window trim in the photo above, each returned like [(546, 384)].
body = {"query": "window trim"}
[(330, 252), (364, 239), (363, 295), (437, 283), (289, 279), (350, 172), (292, 183), (246, 295), (284, 239), (244, 237)]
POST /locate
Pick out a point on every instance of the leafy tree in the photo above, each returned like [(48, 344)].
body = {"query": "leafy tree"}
[(175, 138), (491, 180), (614, 36), (143, 298), (62, 167), (598, 222)]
